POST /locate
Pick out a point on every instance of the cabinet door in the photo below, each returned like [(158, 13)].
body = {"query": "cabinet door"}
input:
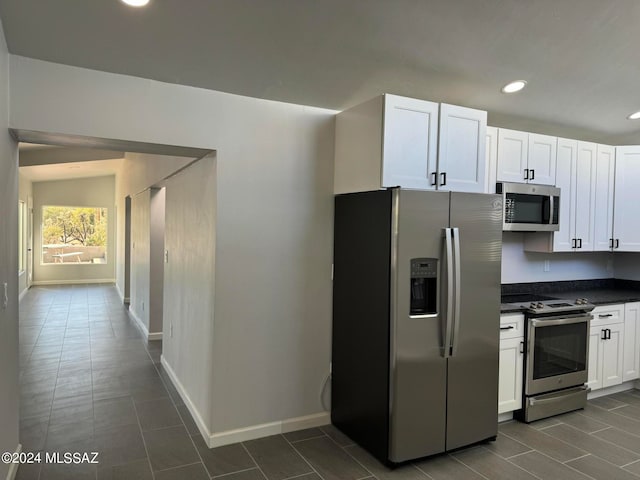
[(510, 375), (612, 355), (542, 159), (585, 195), (566, 180), (603, 213), (631, 361), (410, 138), (462, 151), (626, 227), (491, 158), (594, 367), (513, 148)]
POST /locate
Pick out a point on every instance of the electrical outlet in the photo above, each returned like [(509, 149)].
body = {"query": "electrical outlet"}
[(143, 306), (166, 256), (546, 265), (171, 330), (5, 297)]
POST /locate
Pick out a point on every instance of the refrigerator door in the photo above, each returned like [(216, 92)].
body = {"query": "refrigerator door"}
[(418, 382), (472, 387)]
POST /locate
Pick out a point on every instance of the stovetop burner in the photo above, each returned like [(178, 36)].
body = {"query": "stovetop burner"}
[(524, 297)]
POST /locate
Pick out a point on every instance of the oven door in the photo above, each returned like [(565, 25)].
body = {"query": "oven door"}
[(557, 353)]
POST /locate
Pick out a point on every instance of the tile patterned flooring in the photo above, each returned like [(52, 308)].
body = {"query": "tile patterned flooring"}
[(89, 382)]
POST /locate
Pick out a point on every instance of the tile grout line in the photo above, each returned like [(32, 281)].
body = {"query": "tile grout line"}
[(144, 442), (244, 470), (574, 459), (254, 460), (467, 466), (518, 454)]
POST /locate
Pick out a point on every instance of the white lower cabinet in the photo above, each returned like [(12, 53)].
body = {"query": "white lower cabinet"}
[(631, 360), (511, 362), (607, 347)]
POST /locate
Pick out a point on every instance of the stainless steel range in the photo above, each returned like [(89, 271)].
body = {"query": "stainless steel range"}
[(556, 357)]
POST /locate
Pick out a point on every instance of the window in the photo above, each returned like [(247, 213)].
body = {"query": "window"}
[(72, 235), (22, 237)]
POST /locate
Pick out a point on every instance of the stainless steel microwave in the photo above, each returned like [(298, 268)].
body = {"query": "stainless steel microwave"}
[(529, 207)]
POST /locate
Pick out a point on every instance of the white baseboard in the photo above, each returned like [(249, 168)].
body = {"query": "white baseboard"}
[(623, 387), (22, 294), (13, 467), (252, 432), (74, 282), (143, 328), (267, 429), (204, 431)]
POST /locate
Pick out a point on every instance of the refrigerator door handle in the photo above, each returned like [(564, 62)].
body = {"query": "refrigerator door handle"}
[(456, 308), (448, 320)]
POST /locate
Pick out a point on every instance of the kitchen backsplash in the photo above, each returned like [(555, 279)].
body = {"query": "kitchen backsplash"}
[(519, 266)]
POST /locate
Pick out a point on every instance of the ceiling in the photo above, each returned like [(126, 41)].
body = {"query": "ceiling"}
[(68, 171), (580, 57)]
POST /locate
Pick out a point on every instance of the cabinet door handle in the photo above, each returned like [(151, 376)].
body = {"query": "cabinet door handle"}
[(579, 243), (533, 174), (522, 347), (611, 243), (573, 243), (605, 315), (603, 334), (434, 180), (617, 243), (507, 328), (526, 174), (444, 179), (608, 334)]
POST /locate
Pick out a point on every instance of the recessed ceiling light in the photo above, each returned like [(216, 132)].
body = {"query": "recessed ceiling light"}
[(136, 3), (514, 86), (634, 116)]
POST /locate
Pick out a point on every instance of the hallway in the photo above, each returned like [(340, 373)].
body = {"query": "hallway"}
[(90, 383)]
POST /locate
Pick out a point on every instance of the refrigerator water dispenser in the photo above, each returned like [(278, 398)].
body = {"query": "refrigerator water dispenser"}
[(424, 286)]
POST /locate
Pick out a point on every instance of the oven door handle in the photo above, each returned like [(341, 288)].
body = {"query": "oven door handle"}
[(560, 321), (542, 401)]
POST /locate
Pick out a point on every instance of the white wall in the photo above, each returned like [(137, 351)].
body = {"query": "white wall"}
[(519, 266), (137, 173), (190, 238), (156, 258), (627, 265), (81, 192), (140, 274), (25, 193), (274, 232), (9, 393)]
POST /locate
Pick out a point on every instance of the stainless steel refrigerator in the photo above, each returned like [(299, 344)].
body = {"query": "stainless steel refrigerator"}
[(416, 315)]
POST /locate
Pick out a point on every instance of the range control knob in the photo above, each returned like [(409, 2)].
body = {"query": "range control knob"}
[(533, 305), (581, 301), (540, 305)]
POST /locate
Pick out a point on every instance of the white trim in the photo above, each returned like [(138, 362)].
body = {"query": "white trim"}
[(119, 292), (143, 328), (73, 282), (601, 392), (246, 433), (13, 467), (204, 431), (22, 294), (505, 417)]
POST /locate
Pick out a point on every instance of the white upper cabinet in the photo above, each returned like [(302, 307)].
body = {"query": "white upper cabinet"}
[(526, 157), (513, 151), (462, 152), (603, 216), (410, 142), (626, 227), (585, 196), (542, 159), (563, 239), (491, 158), (394, 141)]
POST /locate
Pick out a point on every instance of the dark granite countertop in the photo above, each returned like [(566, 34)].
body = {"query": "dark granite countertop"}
[(599, 292)]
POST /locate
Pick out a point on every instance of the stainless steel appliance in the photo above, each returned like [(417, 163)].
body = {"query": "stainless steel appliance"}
[(557, 353), (416, 307), (530, 208)]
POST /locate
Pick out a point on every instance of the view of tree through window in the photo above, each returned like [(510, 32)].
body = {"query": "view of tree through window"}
[(74, 235)]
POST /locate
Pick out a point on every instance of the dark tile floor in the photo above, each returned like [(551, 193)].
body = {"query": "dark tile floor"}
[(89, 382)]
